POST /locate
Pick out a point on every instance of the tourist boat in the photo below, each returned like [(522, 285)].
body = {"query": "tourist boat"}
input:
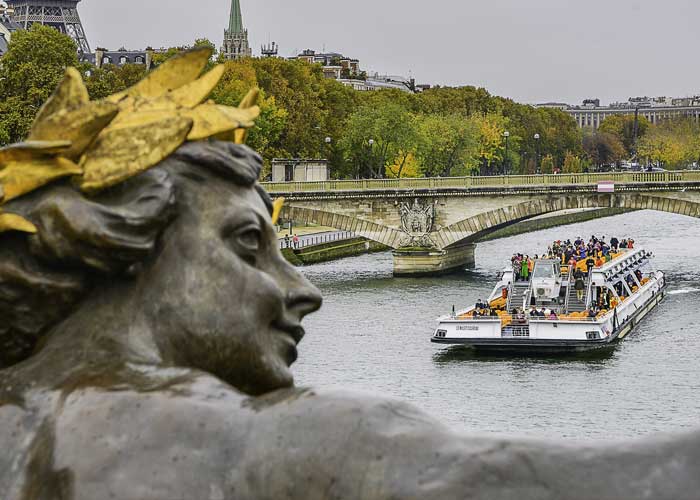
[(626, 284)]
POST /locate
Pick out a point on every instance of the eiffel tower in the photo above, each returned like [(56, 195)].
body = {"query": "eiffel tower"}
[(59, 14)]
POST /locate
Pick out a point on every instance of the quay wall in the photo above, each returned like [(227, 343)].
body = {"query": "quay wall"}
[(332, 251)]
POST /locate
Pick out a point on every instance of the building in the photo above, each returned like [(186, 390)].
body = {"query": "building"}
[(299, 170), (591, 114), (335, 65), (236, 44), (102, 57), (348, 72), (59, 14)]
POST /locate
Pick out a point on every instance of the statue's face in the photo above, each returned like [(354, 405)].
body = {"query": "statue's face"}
[(220, 295)]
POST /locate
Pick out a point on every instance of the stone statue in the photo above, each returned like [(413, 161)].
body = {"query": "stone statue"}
[(148, 328)]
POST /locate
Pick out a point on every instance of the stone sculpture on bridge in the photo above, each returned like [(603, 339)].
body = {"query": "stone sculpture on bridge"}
[(148, 328), (417, 221)]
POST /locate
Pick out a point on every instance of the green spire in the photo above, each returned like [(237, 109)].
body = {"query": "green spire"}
[(235, 24)]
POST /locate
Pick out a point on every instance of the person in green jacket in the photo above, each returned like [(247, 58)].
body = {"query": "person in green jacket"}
[(525, 269)]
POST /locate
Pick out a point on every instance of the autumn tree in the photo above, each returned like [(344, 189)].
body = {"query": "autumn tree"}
[(622, 127), (602, 148), (572, 164), (673, 143)]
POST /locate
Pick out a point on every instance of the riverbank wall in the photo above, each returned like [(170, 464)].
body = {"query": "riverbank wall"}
[(539, 224), (332, 251)]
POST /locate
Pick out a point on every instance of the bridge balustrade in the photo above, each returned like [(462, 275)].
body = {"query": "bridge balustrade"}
[(490, 181)]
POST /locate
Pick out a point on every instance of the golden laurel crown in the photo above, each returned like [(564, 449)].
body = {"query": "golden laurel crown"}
[(102, 143)]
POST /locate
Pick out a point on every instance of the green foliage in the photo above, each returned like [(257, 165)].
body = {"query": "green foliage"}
[(622, 127), (30, 70), (440, 132), (572, 164), (672, 143), (602, 148), (110, 79), (547, 165), (447, 145), (378, 137)]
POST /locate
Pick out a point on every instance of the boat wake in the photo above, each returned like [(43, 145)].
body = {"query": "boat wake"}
[(683, 292)]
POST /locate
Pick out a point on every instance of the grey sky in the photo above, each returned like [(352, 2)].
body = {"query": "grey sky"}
[(530, 50)]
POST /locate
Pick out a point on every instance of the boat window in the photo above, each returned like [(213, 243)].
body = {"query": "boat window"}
[(543, 270)]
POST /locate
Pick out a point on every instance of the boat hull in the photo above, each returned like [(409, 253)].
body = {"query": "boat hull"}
[(510, 345)]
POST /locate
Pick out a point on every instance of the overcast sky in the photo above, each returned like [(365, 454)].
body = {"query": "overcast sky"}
[(530, 50)]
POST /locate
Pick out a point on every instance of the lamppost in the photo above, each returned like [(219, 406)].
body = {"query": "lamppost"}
[(506, 135), (371, 155), (537, 157)]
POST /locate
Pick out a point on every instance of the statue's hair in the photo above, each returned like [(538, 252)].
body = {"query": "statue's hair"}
[(82, 241)]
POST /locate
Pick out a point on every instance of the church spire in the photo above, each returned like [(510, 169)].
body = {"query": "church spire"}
[(236, 44), (235, 24)]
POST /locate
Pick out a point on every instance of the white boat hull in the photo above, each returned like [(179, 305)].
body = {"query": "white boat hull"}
[(553, 336)]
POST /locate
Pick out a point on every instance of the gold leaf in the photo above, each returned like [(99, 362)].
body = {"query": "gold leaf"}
[(185, 97), (24, 176), (70, 93), (29, 150), (194, 93), (80, 126), (122, 152), (277, 209), (213, 119), (177, 71), (251, 99), (240, 135), (12, 222)]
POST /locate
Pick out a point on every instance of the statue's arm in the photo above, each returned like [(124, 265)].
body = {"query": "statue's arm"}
[(350, 446)]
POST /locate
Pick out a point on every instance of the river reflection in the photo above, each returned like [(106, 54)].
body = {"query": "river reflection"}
[(373, 334)]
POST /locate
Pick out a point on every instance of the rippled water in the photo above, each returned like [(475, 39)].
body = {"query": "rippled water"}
[(373, 334)]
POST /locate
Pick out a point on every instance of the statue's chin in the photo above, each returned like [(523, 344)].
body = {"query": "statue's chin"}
[(260, 381)]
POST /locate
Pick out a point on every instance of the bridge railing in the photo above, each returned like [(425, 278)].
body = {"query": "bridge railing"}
[(490, 181)]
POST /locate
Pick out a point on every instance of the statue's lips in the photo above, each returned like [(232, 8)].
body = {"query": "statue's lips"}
[(294, 330)]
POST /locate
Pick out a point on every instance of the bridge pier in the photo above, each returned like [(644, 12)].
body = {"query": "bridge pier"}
[(431, 261)]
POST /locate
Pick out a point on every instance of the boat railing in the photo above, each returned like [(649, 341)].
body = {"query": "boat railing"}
[(564, 320), (483, 319), (568, 288)]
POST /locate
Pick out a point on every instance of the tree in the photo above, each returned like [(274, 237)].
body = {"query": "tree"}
[(30, 70), (572, 164), (447, 146), (547, 164), (491, 144), (622, 127), (265, 137), (379, 137), (602, 148), (674, 143)]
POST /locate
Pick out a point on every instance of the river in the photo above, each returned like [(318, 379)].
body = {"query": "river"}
[(373, 334)]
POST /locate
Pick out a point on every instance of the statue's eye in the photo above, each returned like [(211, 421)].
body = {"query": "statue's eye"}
[(249, 238)]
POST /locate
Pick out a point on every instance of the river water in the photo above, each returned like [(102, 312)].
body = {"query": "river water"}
[(373, 334)]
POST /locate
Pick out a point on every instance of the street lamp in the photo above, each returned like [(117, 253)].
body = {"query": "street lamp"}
[(506, 135), (371, 155), (537, 157)]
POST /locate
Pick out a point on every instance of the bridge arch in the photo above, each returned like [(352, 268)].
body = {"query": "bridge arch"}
[(385, 235), (473, 228)]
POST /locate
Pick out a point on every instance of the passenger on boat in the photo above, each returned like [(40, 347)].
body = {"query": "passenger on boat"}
[(525, 268), (590, 264), (579, 285), (551, 315)]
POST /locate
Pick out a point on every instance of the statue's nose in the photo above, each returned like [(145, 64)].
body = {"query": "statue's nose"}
[(303, 298)]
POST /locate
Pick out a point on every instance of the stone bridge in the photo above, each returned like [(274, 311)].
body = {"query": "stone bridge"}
[(432, 224)]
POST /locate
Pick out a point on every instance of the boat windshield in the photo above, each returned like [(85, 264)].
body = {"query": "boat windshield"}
[(544, 270)]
